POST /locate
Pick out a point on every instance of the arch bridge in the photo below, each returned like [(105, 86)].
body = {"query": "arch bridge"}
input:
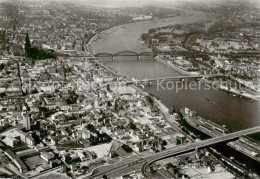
[(124, 54)]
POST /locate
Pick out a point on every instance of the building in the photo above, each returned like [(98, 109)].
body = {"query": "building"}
[(190, 113), (11, 141), (163, 49), (18, 162), (85, 134), (47, 156), (183, 63), (26, 122), (25, 137), (142, 18), (187, 111)]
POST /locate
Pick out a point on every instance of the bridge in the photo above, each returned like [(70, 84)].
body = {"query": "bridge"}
[(124, 54), (173, 151), (204, 143), (172, 78)]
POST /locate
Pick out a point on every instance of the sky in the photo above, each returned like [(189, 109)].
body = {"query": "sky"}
[(138, 3), (122, 3), (125, 3)]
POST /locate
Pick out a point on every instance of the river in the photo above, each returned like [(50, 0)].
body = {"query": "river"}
[(226, 110), (127, 37)]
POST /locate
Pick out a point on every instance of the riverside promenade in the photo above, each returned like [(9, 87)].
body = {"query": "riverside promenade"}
[(174, 67)]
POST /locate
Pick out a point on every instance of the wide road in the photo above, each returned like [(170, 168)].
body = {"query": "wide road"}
[(178, 150), (200, 144)]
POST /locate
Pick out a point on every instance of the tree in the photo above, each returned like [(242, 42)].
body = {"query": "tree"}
[(93, 140), (152, 170), (114, 155), (34, 91), (73, 98), (169, 165), (74, 44), (178, 141), (132, 125), (83, 46), (91, 128), (108, 88), (144, 37), (27, 46), (127, 148), (164, 142), (8, 49), (2, 95), (212, 62), (104, 177), (2, 66), (222, 71), (150, 100), (68, 159), (109, 104)]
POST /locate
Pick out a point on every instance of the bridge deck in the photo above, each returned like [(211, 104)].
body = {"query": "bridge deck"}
[(175, 151), (175, 77), (204, 143), (123, 53)]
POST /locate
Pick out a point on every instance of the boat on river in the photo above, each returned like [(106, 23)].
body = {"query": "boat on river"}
[(210, 101)]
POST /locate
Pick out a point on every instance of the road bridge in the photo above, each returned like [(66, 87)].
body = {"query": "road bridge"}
[(114, 55), (201, 144), (124, 54), (177, 150), (173, 78), (204, 143)]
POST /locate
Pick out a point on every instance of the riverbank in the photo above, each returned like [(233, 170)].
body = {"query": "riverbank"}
[(127, 37), (235, 93), (162, 107), (175, 67), (235, 113)]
